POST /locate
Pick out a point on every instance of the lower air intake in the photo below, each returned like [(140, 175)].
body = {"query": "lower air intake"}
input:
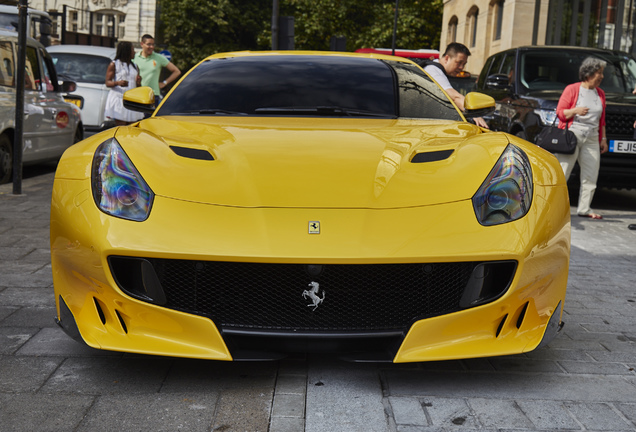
[(328, 298)]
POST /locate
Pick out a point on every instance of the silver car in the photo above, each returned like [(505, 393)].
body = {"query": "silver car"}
[(86, 65), (51, 125)]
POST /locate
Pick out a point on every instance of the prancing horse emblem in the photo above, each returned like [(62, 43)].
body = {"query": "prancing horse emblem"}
[(313, 295)]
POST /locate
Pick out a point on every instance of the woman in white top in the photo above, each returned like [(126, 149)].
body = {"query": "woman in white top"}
[(582, 107), (121, 75)]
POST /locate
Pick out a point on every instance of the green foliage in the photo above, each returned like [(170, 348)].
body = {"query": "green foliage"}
[(194, 29), (365, 23)]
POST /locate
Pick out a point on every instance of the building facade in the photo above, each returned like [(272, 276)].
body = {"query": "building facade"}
[(489, 26), (120, 20)]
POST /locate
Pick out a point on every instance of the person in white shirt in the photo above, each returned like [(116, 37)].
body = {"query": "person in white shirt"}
[(451, 63)]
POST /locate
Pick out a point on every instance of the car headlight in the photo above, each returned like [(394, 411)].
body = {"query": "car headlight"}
[(506, 194), (547, 116), (118, 188)]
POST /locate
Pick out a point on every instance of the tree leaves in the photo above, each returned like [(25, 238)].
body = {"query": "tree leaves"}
[(194, 29)]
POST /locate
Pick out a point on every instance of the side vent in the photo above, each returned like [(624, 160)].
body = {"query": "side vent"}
[(501, 324), (191, 153), (522, 315), (100, 311), (433, 156), (121, 321)]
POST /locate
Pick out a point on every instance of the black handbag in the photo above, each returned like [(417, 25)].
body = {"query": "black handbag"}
[(556, 140)]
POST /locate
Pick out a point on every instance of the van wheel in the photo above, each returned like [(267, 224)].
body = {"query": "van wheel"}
[(79, 135), (522, 135), (6, 159)]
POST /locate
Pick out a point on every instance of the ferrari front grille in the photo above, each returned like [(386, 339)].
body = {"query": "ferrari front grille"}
[(312, 297)]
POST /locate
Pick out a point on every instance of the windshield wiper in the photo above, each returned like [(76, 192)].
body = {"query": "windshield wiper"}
[(209, 111), (320, 110)]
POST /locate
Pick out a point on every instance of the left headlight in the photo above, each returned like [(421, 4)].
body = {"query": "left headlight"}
[(506, 194), (118, 188)]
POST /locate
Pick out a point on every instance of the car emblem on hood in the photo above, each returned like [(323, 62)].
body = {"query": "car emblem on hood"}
[(313, 295), (314, 227)]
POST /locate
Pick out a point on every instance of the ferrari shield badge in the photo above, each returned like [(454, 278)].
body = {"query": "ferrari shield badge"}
[(313, 294), (314, 227)]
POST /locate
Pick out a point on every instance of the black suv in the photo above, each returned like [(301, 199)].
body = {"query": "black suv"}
[(527, 82)]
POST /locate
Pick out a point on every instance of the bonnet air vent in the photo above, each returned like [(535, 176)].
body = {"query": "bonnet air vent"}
[(192, 153), (433, 156)]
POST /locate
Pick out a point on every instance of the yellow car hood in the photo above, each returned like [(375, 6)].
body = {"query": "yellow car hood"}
[(311, 162)]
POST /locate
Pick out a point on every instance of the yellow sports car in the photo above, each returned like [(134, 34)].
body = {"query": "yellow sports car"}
[(283, 202)]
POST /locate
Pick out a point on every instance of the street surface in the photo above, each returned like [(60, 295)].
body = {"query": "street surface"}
[(583, 381)]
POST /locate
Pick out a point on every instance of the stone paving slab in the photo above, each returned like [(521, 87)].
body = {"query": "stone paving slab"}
[(583, 381)]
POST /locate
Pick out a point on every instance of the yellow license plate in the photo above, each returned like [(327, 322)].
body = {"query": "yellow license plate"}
[(77, 102)]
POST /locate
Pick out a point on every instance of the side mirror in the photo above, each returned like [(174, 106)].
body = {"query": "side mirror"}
[(140, 99), (498, 82), (478, 105), (69, 86), (45, 28)]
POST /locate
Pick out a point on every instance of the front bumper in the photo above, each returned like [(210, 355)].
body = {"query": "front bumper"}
[(83, 239)]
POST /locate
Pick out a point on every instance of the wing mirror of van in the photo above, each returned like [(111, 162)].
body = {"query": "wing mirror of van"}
[(69, 86)]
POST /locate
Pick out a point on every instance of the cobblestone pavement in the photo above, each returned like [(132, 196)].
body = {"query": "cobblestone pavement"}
[(583, 381)]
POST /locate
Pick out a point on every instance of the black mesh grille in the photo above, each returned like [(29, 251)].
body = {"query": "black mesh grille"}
[(619, 121), (270, 296)]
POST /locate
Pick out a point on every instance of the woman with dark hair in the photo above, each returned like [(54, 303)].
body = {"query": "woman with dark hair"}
[(121, 76), (582, 108)]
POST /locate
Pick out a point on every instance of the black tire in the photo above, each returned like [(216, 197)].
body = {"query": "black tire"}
[(522, 135), (79, 134), (6, 158)]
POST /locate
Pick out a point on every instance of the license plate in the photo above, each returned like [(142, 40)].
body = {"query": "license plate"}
[(617, 146), (77, 102)]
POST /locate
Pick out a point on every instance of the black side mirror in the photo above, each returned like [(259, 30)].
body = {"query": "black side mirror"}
[(498, 82), (45, 28), (69, 86)]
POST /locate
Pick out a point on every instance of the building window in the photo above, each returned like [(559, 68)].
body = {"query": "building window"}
[(121, 26), (498, 8), (74, 26), (472, 26), (98, 22), (110, 26), (452, 30)]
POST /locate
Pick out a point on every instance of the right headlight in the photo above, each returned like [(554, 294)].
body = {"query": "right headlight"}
[(547, 116), (118, 188), (506, 194)]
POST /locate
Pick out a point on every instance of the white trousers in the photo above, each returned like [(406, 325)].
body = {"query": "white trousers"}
[(588, 154)]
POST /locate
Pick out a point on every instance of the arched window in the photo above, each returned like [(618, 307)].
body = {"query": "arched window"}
[(452, 30), (497, 8), (471, 22)]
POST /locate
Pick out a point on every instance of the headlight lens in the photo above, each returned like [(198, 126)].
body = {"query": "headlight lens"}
[(118, 188), (506, 194), (547, 116)]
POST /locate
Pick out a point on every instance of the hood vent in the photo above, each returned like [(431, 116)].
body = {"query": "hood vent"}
[(192, 153), (433, 156)]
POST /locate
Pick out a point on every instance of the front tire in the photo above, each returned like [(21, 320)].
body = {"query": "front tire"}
[(6, 159)]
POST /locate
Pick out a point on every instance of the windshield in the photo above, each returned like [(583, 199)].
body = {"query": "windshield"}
[(554, 70), (81, 68), (9, 21), (308, 85)]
